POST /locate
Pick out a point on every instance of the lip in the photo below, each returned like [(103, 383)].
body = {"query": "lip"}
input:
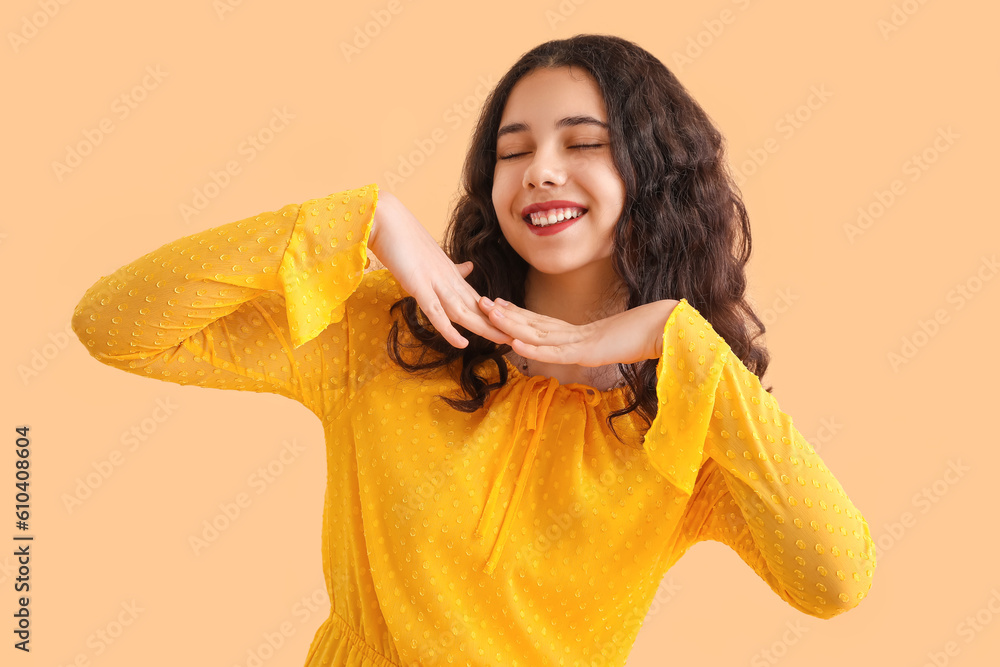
[(546, 205)]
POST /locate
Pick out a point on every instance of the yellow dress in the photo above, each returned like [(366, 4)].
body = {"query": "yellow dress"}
[(521, 534)]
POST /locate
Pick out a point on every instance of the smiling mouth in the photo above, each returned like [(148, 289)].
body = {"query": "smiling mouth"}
[(553, 216)]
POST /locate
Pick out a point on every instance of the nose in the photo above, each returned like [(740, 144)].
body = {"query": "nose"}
[(547, 168)]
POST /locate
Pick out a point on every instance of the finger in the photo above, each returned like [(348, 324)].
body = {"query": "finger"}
[(513, 325), (511, 315), (542, 333), (547, 353), (464, 269), (468, 314), (435, 312), (511, 311), (462, 312), (480, 323)]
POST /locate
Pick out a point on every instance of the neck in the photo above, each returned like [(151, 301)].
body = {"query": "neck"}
[(587, 294)]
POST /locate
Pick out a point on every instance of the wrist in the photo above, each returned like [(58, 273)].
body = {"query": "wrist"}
[(665, 307), (379, 219)]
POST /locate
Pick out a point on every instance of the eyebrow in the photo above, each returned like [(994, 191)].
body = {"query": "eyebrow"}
[(568, 121)]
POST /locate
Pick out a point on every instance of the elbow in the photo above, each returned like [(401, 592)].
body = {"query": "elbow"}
[(843, 588), (840, 587), (851, 597), (85, 324), (82, 326), (841, 606), (833, 602)]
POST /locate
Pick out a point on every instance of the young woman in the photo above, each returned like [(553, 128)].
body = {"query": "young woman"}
[(510, 480)]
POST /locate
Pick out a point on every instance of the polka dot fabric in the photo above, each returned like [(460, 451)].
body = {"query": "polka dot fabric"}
[(760, 487), (521, 534)]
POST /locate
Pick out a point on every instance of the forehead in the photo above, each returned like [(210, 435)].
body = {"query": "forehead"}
[(548, 94)]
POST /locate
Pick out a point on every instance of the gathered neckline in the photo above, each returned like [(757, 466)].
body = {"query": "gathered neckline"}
[(614, 391)]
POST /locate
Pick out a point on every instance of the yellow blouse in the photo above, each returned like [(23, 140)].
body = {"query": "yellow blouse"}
[(522, 534)]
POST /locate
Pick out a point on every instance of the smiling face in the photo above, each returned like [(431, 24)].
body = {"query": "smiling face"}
[(554, 152)]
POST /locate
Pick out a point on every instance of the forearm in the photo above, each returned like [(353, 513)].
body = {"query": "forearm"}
[(781, 508), (813, 539), (185, 285)]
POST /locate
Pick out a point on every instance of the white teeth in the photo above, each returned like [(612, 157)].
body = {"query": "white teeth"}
[(551, 217)]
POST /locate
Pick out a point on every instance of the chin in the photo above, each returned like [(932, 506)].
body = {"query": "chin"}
[(554, 269)]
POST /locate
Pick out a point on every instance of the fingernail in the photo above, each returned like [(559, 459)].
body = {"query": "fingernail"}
[(487, 300), (502, 302)]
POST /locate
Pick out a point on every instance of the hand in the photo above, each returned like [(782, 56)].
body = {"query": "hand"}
[(414, 258), (626, 338)]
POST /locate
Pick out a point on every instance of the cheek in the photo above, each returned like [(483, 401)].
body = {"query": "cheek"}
[(601, 175), (613, 189), (503, 192), (497, 204)]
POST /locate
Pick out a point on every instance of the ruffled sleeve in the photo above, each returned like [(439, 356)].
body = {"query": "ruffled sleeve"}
[(685, 390), (238, 306), (754, 482), (325, 259)]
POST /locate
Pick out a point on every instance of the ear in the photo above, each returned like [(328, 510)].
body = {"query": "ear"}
[(465, 268)]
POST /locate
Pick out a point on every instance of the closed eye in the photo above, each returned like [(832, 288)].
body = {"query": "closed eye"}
[(509, 156)]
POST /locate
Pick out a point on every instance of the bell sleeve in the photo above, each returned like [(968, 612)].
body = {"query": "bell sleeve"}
[(753, 482), (240, 306)]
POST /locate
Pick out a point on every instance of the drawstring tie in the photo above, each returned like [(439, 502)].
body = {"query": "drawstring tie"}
[(538, 387)]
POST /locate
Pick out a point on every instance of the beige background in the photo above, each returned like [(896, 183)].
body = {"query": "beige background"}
[(837, 307)]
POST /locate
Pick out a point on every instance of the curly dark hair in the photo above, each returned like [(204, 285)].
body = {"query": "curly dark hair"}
[(689, 234)]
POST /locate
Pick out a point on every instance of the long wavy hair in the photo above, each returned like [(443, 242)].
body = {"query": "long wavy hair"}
[(683, 231)]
